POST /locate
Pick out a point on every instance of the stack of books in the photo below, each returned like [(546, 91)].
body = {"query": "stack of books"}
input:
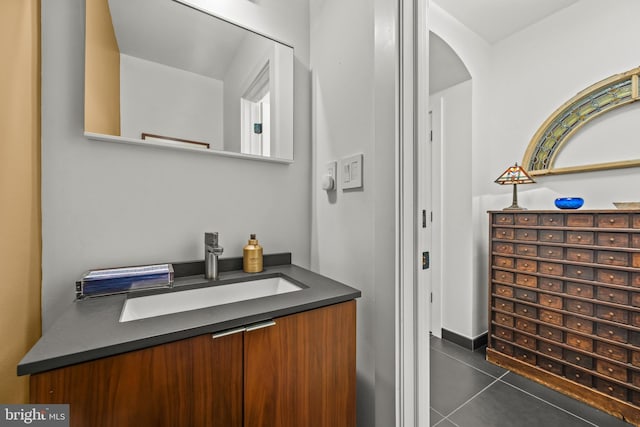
[(123, 279)]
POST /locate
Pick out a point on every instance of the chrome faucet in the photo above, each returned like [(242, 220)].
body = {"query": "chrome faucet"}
[(211, 253)]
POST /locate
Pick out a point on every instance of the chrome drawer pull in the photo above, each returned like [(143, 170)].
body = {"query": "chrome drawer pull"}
[(228, 332), (261, 325)]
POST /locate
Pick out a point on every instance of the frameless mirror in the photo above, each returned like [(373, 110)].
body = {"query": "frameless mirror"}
[(159, 72)]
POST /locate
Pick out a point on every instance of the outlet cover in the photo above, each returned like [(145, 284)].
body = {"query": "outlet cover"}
[(351, 172)]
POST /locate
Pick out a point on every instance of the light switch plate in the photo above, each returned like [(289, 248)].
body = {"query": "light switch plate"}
[(351, 172)]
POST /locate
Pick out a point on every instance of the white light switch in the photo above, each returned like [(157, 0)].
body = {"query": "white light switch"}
[(351, 171), (328, 181)]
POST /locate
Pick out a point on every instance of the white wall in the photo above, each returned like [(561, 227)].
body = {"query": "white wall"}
[(162, 100), (353, 57), (111, 204)]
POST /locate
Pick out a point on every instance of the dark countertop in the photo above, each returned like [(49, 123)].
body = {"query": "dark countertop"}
[(90, 328)]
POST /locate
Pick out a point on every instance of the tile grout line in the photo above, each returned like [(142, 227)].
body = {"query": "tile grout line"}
[(467, 364)]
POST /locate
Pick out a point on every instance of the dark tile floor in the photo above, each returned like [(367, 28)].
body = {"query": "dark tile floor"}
[(468, 391)]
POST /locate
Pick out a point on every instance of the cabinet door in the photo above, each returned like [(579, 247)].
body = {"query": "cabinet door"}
[(302, 370), (194, 382)]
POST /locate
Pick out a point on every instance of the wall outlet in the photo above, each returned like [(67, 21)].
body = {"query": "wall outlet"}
[(351, 168)]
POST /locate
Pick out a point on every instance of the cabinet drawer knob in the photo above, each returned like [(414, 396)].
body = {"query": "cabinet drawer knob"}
[(611, 333), (579, 272), (526, 341), (611, 258), (610, 295), (550, 268), (611, 313), (526, 264), (524, 296), (611, 276), (579, 323), (550, 236), (612, 239), (524, 356), (524, 325), (612, 220), (579, 237), (549, 300), (550, 334), (578, 290), (578, 256), (525, 311), (578, 306), (550, 219), (550, 252), (502, 276), (578, 341), (526, 218), (610, 388), (549, 366), (550, 316), (577, 375), (610, 370), (504, 233), (578, 358), (610, 351), (525, 250), (526, 234)]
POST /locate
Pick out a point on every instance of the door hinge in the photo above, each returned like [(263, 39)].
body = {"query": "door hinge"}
[(431, 297), (424, 218), (425, 260)]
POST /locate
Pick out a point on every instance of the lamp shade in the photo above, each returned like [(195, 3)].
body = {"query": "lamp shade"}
[(514, 175)]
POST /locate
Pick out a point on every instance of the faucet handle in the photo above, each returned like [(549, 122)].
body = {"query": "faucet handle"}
[(211, 239)]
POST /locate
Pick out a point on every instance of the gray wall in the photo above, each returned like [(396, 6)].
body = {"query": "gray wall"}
[(106, 204)]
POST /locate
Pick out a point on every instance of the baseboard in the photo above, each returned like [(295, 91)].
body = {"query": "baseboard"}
[(469, 343)]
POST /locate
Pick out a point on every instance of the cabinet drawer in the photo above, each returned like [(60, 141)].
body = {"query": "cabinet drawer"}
[(551, 317), (611, 389), (617, 240), (613, 277), (579, 290), (526, 311), (580, 342), (635, 260), (635, 279), (612, 351), (526, 250), (579, 307), (505, 291), (554, 285), (550, 301), (526, 219), (611, 370), (504, 233), (613, 295), (505, 219), (526, 295), (553, 220), (504, 347), (580, 237), (580, 220), (524, 355), (635, 358), (505, 334), (503, 319), (578, 324), (503, 305), (579, 359), (504, 262), (579, 272), (525, 325), (550, 333), (551, 268), (635, 378), (578, 376), (634, 319), (503, 248), (526, 280), (612, 314), (503, 276), (524, 340), (613, 258), (579, 255), (526, 265), (635, 299), (635, 221), (613, 333), (613, 221), (555, 236), (551, 252), (635, 240), (550, 365), (530, 235)]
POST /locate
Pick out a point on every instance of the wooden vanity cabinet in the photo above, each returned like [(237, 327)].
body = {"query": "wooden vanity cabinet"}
[(299, 372)]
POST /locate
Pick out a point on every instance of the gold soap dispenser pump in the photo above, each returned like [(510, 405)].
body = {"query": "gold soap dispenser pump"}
[(252, 256)]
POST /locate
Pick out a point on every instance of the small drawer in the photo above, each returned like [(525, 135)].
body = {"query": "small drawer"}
[(526, 280), (551, 333), (551, 317), (505, 334), (634, 319), (634, 397), (579, 359), (635, 358), (527, 250), (555, 236), (504, 233), (503, 319), (611, 370), (613, 333), (578, 376), (526, 295), (524, 341), (635, 240), (635, 259), (613, 258), (580, 342), (504, 262), (526, 265), (578, 324), (579, 272), (613, 277), (553, 285), (551, 268), (550, 365), (635, 378), (635, 221), (635, 299), (504, 291), (553, 220), (580, 220), (579, 290), (616, 240), (524, 355), (526, 219), (525, 325), (550, 301), (613, 295), (504, 347), (635, 279), (579, 307), (503, 248), (503, 305), (613, 221), (505, 219), (611, 389), (612, 314), (551, 252), (612, 351), (530, 235), (579, 255), (527, 311), (580, 237), (503, 276)]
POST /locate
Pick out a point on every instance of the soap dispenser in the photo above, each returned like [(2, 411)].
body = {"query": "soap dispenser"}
[(252, 256)]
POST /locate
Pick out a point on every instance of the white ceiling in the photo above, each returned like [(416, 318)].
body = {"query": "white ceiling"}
[(493, 20)]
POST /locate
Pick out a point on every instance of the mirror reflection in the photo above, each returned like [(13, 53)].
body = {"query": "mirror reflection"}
[(163, 73)]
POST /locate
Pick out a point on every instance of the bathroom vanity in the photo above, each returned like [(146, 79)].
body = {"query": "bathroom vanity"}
[(280, 360)]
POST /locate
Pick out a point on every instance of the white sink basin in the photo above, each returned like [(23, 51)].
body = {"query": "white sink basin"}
[(176, 302)]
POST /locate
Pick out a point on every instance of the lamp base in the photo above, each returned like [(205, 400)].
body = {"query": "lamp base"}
[(514, 208)]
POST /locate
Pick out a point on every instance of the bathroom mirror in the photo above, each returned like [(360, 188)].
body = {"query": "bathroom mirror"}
[(162, 73)]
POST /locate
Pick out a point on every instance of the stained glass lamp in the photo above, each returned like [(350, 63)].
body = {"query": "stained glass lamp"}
[(514, 175)]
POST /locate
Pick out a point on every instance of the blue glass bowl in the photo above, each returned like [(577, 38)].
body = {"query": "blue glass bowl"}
[(569, 202)]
